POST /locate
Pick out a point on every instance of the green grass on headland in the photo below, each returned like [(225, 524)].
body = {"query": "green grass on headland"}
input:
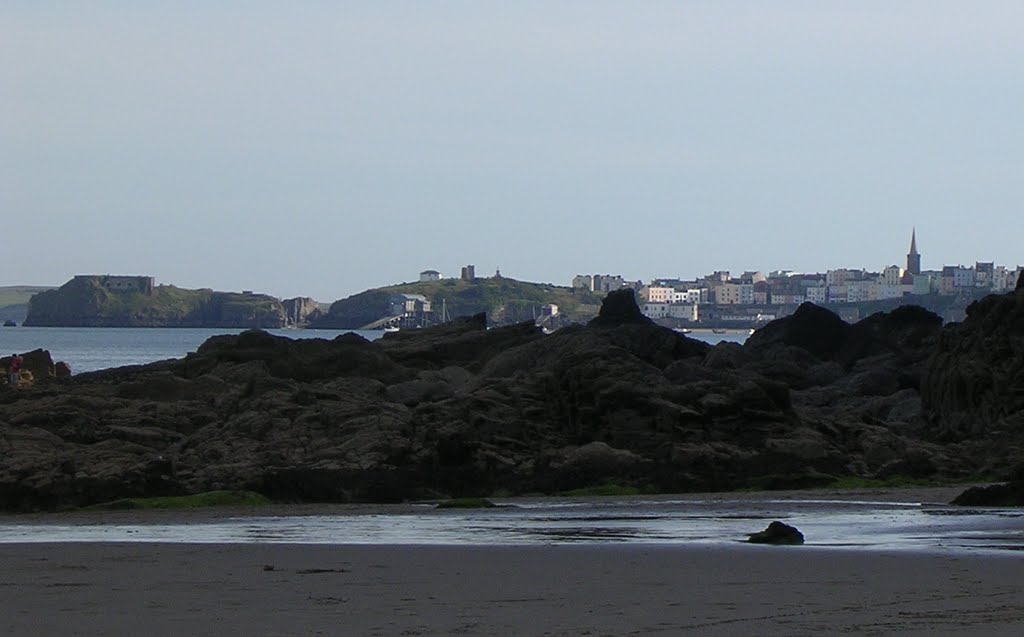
[(19, 294), (196, 501)]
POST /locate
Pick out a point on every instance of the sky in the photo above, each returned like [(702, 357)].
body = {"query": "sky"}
[(322, 148)]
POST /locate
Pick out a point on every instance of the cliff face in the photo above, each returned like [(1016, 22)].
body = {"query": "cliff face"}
[(86, 302), (301, 310)]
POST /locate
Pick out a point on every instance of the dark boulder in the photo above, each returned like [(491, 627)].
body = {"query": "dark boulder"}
[(777, 533), (996, 495), (811, 328), (619, 308)]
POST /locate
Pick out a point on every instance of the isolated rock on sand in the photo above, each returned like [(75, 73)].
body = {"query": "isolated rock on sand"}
[(777, 533), (1008, 494)]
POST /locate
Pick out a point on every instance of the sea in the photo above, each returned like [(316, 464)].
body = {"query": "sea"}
[(88, 349)]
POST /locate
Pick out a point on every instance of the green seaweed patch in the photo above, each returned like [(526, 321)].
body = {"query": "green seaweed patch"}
[(196, 501), (466, 503)]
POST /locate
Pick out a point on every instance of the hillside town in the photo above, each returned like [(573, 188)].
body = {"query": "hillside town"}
[(755, 297)]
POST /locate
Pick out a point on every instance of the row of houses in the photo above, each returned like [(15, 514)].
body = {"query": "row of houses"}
[(680, 299), (834, 286)]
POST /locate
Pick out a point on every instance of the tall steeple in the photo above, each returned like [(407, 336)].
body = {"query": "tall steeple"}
[(913, 258)]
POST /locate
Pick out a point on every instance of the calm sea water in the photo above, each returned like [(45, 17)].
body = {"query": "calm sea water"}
[(88, 349)]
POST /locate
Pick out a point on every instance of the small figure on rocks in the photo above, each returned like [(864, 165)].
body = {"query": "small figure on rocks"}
[(777, 533), (15, 369)]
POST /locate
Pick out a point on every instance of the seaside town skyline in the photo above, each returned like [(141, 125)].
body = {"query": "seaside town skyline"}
[(751, 287), (787, 287)]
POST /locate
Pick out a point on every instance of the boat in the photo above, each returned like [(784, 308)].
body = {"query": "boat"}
[(718, 330), (683, 330), (391, 328)]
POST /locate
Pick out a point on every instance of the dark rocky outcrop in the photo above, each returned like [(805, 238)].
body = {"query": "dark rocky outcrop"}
[(462, 410), (972, 388), (619, 308), (819, 332), (777, 533), (996, 495)]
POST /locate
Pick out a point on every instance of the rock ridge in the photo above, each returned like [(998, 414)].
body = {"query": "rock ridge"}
[(463, 410)]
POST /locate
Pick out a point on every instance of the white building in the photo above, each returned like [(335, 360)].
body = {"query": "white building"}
[(657, 294), (891, 275), (886, 291), (693, 296), (409, 304), (864, 290), (655, 310), (963, 277), (1004, 280), (817, 294), (430, 275), (682, 311)]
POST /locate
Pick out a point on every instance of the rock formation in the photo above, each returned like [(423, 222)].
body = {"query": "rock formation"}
[(777, 533), (461, 410), (301, 310)]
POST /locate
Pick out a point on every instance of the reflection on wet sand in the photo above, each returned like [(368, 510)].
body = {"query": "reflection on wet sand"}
[(825, 522)]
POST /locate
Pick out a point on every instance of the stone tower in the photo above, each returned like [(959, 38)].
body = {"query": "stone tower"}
[(913, 258)]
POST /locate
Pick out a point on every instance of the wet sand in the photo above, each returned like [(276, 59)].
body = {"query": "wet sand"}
[(934, 495), (254, 589)]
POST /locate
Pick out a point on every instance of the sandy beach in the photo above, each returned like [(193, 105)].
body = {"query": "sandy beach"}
[(193, 589)]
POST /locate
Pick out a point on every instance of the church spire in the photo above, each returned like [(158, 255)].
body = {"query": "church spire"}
[(913, 258)]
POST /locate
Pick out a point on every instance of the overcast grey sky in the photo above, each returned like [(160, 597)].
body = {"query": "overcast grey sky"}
[(321, 148)]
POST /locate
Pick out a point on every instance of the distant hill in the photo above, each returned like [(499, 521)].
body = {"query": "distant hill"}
[(103, 301), (14, 301), (506, 301)]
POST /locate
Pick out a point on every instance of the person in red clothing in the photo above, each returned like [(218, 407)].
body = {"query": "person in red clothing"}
[(15, 369)]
